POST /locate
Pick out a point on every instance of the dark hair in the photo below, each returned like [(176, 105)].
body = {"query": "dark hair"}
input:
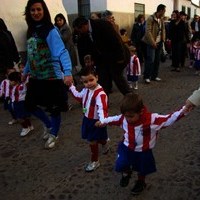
[(88, 70), (131, 103), (30, 22), (79, 22), (139, 17), (61, 16), (160, 7), (107, 13), (15, 76), (3, 26), (122, 31)]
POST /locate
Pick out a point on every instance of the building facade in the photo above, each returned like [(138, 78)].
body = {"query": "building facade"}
[(126, 11)]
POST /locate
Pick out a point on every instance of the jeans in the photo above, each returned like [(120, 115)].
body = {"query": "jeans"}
[(152, 61)]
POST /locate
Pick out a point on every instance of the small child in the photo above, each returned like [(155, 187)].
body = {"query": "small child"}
[(94, 103), (133, 69), (140, 129), (196, 65), (88, 61), (18, 98), (5, 92)]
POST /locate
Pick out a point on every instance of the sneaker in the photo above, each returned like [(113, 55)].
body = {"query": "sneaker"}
[(92, 166), (31, 128), (13, 121), (124, 181), (51, 142), (135, 85), (46, 133), (138, 187), (25, 131), (147, 81), (157, 79)]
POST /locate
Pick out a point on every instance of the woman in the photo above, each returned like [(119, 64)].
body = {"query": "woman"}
[(47, 62), (66, 34)]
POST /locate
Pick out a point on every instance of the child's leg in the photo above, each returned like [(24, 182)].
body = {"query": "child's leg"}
[(26, 126), (94, 164), (139, 185), (105, 146)]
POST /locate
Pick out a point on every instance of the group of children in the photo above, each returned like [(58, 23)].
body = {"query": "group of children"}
[(140, 127), (13, 91)]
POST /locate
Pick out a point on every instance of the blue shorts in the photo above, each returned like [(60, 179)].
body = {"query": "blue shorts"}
[(91, 132), (20, 111), (141, 162), (132, 78)]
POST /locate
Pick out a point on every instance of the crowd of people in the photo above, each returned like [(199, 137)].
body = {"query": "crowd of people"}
[(40, 86)]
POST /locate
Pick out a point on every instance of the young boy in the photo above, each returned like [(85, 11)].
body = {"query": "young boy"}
[(140, 129)]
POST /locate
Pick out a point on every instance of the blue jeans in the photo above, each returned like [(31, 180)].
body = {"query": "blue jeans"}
[(152, 61)]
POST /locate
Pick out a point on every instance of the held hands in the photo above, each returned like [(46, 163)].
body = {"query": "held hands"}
[(189, 106), (99, 124), (68, 80)]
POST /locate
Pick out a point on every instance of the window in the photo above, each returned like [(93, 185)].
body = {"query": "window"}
[(183, 9), (139, 9), (84, 8)]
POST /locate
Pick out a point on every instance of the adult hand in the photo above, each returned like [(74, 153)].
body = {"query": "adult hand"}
[(68, 80), (188, 106)]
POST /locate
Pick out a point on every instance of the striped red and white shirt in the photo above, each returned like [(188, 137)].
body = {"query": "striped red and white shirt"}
[(94, 102), (18, 93), (142, 135), (134, 68), (5, 88)]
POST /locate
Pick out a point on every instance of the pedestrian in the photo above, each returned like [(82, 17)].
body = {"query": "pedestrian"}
[(5, 93), (18, 98), (111, 56), (154, 37), (133, 69), (94, 103), (47, 61), (137, 34), (196, 65), (195, 26), (9, 55), (140, 128)]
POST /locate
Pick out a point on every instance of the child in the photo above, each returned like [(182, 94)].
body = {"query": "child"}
[(88, 61), (197, 57), (140, 129), (5, 91), (94, 103), (133, 69), (18, 98)]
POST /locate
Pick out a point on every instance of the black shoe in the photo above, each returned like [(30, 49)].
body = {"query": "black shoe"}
[(125, 180), (138, 187)]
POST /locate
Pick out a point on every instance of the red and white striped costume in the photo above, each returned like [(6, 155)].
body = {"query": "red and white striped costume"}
[(5, 88), (134, 68), (18, 93), (94, 102), (142, 135)]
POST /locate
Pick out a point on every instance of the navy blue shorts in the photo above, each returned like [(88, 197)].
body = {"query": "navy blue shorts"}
[(141, 162), (20, 111), (91, 132), (132, 78)]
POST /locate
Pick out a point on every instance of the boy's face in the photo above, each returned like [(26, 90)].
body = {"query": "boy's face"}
[(13, 83), (132, 118), (90, 81)]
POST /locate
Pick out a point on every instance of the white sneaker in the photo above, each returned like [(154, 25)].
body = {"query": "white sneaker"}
[(158, 79), (135, 85), (46, 133), (147, 81), (51, 142), (13, 121), (92, 166), (31, 128), (25, 131)]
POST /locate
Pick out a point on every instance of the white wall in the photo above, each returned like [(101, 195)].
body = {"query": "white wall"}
[(71, 6), (12, 13)]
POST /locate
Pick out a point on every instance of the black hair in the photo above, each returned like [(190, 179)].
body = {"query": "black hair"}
[(3, 26), (88, 70), (29, 20), (61, 16), (160, 7), (15, 76), (79, 22)]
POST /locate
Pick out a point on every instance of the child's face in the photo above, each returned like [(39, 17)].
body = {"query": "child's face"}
[(21, 68), (132, 117), (90, 81)]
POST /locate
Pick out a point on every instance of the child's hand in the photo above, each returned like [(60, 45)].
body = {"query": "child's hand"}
[(99, 124), (188, 107)]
